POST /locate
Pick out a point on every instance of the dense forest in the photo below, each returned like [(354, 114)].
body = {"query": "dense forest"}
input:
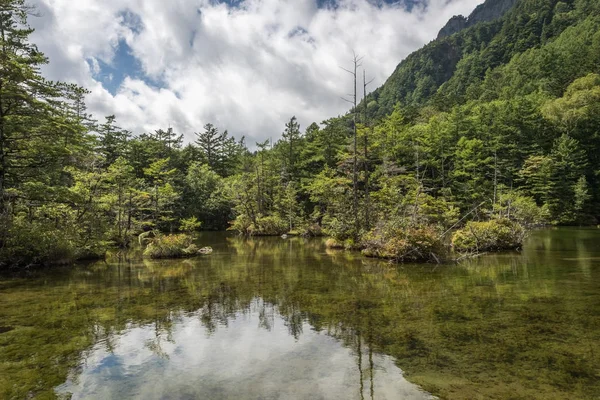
[(492, 128)]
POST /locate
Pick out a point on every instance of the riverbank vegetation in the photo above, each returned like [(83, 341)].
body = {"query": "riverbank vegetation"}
[(510, 134)]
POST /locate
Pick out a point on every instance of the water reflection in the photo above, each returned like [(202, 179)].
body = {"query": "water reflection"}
[(279, 316), (241, 358)]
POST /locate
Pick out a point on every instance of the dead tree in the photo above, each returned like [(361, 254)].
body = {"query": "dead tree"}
[(356, 63), (366, 151)]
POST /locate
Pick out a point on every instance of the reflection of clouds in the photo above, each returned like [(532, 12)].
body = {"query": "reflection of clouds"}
[(241, 360)]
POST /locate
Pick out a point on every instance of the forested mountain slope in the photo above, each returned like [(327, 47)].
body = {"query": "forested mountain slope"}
[(453, 69)]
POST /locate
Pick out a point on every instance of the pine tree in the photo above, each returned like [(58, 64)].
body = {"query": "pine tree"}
[(35, 119), (210, 142), (112, 140), (291, 136)]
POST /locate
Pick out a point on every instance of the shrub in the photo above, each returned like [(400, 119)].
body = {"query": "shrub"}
[(522, 209), (273, 225), (171, 246), (310, 230), (35, 243), (493, 235), (339, 229), (242, 225), (332, 243), (396, 242), (189, 225)]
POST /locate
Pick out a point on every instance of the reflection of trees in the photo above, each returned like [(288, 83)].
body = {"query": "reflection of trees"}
[(266, 316), (487, 319)]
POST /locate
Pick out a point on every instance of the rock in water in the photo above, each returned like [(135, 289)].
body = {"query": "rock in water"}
[(205, 250)]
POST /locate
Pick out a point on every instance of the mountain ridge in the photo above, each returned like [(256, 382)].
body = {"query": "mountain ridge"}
[(443, 70), (485, 12)]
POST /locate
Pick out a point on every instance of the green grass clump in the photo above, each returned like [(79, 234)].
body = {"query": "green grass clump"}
[(171, 246), (416, 244), (493, 235)]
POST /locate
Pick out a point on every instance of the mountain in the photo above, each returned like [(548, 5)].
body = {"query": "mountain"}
[(488, 11), (498, 34)]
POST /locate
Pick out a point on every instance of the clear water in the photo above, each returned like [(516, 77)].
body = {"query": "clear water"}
[(286, 319)]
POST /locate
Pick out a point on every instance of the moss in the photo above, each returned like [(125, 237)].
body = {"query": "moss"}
[(493, 235)]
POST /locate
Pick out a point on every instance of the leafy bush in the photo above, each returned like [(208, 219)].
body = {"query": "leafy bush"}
[(171, 246), (309, 230), (332, 243), (522, 209), (272, 225), (189, 225), (493, 235), (242, 225), (35, 243), (396, 242), (340, 229)]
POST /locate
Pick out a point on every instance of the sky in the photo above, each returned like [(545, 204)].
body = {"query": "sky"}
[(239, 359), (247, 66)]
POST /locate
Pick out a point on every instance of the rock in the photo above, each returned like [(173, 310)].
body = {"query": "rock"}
[(488, 11), (456, 24), (205, 250), (284, 236)]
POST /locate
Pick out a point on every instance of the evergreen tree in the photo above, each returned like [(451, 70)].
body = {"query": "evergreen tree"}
[(210, 143), (112, 140), (290, 139)]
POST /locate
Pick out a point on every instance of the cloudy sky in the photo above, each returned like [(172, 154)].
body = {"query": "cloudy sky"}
[(243, 65)]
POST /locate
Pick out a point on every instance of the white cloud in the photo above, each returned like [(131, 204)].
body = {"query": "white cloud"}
[(247, 69), (240, 360)]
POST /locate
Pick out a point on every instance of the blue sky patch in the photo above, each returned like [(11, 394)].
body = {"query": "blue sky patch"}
[(123, 64)]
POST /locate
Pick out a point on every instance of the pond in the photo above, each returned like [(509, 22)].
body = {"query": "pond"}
[(272, 318)]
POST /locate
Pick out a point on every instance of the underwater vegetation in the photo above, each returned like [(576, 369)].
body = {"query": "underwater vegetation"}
[(509, 325)]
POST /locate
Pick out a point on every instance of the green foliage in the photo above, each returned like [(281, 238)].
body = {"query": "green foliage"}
[(511, 103), (35, 243), (521, 209), (204, 196), (189, 225), (112, 140), (171, 246), (399, 242), (493, 235)]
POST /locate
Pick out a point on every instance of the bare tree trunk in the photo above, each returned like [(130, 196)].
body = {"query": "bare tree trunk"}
[(3, 139), (119, 215), (366, 150), (495, 176), (356, 63), (355, 161)]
